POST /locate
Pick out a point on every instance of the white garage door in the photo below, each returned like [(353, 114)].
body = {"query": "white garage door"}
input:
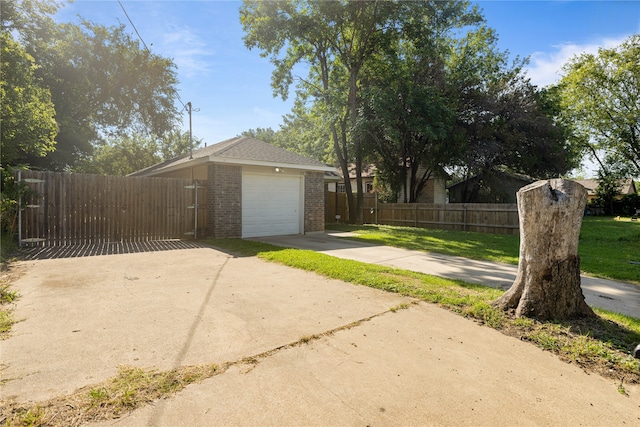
[(270, 205)]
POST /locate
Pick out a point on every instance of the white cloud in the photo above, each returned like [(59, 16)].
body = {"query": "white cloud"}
[(188, 51), (545, 68)]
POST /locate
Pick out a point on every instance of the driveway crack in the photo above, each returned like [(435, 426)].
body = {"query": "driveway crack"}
[(307, 339)]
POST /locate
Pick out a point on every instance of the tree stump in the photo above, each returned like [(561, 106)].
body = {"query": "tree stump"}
[(547, 285)]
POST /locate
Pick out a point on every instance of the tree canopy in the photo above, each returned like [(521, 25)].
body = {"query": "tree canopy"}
[(126, 154), (28, 126), (512, 127), (414, 87), (410, 101), (600, 96), (334, 40), (101, 83)]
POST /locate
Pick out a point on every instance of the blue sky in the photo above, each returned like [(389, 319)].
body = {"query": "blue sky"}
[(230, 85)]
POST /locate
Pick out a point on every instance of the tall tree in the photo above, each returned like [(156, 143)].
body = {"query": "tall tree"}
[(102, 82), (511, 126), (263, 134), (305, 132), (125, 154), (407, 125), (121, 156), (335, 40), (301, 133), (601, 96), (28, 116), (409, 111)]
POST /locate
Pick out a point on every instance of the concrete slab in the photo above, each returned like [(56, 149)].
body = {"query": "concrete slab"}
[(607, 294), (84, 317), (415, 367)]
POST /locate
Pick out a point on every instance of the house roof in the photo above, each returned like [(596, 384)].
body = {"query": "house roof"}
[(589, 184), (513, 175), (627, 186), (369, 171), (241, 151)]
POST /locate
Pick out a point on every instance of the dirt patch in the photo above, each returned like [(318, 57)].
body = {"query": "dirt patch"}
[(11, 271)]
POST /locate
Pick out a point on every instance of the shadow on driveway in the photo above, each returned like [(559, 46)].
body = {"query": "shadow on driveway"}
[(105, 248)]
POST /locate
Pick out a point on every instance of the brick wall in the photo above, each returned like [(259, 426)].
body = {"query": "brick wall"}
[(224, 201), (313, 202)]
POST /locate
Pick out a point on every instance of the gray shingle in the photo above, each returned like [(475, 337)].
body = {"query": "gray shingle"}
[(241, 149)]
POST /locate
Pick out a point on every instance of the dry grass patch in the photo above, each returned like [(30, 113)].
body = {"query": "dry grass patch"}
[(130, 389), (8, 298)]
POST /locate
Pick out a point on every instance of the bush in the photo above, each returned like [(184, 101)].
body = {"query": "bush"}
[(13, 192), (627, 205)]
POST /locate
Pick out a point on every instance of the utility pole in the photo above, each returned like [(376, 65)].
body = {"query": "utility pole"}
[(190, 137)]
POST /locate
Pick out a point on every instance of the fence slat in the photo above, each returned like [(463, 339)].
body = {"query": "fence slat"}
[(479, 217), (82, 208)]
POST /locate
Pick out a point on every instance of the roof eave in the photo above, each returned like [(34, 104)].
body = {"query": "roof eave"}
[(190, 163), (245, 162)]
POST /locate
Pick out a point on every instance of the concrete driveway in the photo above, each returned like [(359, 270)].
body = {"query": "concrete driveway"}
[(608, 294), (83, 317)]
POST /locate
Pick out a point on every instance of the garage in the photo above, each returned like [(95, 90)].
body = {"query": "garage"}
[(249, 188), (271, 204)]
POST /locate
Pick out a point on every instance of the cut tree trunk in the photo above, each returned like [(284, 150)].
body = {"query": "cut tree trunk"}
[(547, 285)]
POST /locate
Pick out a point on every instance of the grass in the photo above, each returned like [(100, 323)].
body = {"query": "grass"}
[(603, 345), (7, 299), (493, 247), (8, 247), (132, 388), (606, 245), (402, 306), (7, 296)]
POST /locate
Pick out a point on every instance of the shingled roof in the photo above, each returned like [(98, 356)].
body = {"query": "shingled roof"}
[(626, 186), (241, 150)]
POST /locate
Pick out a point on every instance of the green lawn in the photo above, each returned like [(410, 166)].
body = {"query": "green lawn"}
[(606, 246), (610, 248)]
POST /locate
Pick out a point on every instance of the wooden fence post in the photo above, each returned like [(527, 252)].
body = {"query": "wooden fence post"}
[(464, 216), (376, 208)]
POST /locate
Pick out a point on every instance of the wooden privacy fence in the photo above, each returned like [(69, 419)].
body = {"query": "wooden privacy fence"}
[(68, 209), (479, 217)]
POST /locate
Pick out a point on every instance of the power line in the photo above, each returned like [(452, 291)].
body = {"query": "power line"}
[(184, 107)]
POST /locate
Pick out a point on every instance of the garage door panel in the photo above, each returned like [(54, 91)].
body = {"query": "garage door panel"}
[(270, 205)]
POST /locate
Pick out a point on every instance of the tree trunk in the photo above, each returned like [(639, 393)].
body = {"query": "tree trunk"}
[(547, 285)]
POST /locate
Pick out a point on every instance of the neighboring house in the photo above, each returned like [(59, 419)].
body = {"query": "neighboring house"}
[(368, 174), (253, 188), (433, 192), (498, 187), (627, 186)]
